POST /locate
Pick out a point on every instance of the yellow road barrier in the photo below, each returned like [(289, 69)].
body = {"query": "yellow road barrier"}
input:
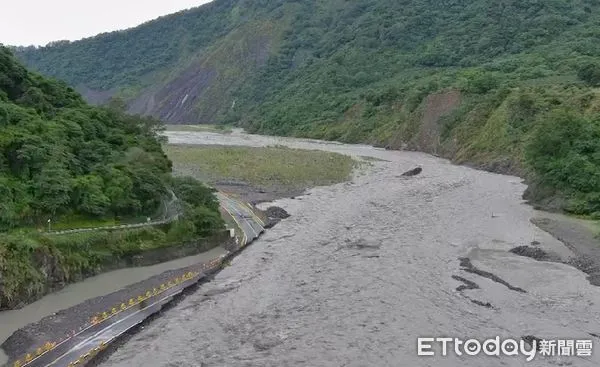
[(105, 315)]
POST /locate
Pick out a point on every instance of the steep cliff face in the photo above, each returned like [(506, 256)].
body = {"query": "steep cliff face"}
[(202, 91)]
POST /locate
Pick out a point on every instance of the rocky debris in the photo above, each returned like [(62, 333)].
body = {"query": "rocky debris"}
[(467, 283), (470, 268), (483, 304), (276, 212), (265, 343), (582, 263), (532, 252), (361, 244), (579, 239), (413, 172), (217, 291), (587, 265)]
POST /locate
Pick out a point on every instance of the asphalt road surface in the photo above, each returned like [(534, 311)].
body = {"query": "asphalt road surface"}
[(246, 219)]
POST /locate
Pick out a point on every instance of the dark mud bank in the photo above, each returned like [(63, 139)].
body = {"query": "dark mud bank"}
[(577, 238)]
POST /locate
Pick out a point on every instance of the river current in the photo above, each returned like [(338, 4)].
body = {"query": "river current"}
[(362, 269)]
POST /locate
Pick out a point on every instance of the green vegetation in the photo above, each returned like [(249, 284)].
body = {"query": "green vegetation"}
[(81, 166), (293, 168), (170, 37), (59, 156), (366, 71), (565, 154)]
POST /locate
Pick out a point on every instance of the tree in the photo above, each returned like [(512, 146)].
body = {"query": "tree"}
[(206, 221), (479, 82), (194, 192), (88, 195), (590, 73), (61, 156), (564, 152), (52, 189)]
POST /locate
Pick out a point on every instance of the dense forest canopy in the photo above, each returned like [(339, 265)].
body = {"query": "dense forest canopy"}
[(124, 58), (61, 157), (404, 34), (370, 71), (75, 165)]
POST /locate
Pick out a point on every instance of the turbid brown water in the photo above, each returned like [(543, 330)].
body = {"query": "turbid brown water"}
[(73, 294), (362, 269)]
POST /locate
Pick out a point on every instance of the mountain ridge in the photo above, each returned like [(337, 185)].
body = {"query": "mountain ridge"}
[(364, 71)]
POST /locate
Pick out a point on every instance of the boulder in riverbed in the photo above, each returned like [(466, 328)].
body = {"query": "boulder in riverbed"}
[(413, 172)]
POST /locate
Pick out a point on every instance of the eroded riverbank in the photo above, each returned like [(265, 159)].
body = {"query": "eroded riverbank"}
[(361, 270)]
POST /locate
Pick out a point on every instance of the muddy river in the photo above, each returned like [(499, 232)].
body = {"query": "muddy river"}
[(71, 295), (363, 269)]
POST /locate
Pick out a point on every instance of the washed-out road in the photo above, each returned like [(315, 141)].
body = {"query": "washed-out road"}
[(362, 269), (246, 220)]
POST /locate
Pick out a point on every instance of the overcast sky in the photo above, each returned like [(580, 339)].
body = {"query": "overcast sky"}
[(37, 22)]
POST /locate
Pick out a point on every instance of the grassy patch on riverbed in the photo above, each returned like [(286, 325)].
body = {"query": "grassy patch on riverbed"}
[(222, 129), (295, 168)]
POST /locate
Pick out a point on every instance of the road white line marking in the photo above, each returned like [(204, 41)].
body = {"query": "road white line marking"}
[(95, 336)]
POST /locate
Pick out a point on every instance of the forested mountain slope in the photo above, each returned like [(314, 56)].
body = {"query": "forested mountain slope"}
[(64, 163), (59, 155), (481, 82)]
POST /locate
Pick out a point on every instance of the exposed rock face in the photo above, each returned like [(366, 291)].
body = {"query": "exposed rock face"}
[(95, 97), (202, 91), (435, 107), (177, 99)]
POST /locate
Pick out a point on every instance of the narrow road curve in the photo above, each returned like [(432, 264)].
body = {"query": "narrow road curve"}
[(172, 212), (245, 218), (251, 224)]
